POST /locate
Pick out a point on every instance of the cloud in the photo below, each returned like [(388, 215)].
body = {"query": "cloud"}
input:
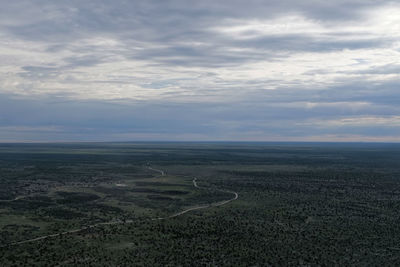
[(204, 70)]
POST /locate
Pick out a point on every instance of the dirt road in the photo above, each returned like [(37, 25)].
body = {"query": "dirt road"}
[(194, 181)]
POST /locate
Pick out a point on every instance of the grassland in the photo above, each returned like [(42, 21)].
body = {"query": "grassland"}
[(299, 204)]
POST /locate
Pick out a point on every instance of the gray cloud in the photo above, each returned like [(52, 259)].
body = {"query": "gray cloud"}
[(209, 70)]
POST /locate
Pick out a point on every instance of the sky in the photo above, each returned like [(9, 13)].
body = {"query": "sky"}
[(209, 70)]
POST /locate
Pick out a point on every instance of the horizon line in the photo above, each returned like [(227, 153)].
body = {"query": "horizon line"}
[(196, 141)]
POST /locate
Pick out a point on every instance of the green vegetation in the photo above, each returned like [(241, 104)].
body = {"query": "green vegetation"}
[(299, 204)]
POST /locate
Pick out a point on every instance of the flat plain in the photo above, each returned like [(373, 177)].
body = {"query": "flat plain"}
[(199, 204)]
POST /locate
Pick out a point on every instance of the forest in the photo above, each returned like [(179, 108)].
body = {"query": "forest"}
[(199, 204)]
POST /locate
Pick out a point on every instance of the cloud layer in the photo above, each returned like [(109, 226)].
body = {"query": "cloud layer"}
[(205, 70)]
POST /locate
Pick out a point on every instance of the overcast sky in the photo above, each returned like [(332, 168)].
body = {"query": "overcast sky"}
[(254, 70)]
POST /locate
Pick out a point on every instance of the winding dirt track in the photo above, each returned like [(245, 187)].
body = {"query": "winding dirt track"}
[(162, 173)]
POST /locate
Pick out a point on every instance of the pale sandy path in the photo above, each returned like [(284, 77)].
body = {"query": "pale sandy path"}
[(162, 173)]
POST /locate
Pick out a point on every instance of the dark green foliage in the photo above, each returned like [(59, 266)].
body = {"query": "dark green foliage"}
[(299, 204), (75, 197), (65, 214)]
